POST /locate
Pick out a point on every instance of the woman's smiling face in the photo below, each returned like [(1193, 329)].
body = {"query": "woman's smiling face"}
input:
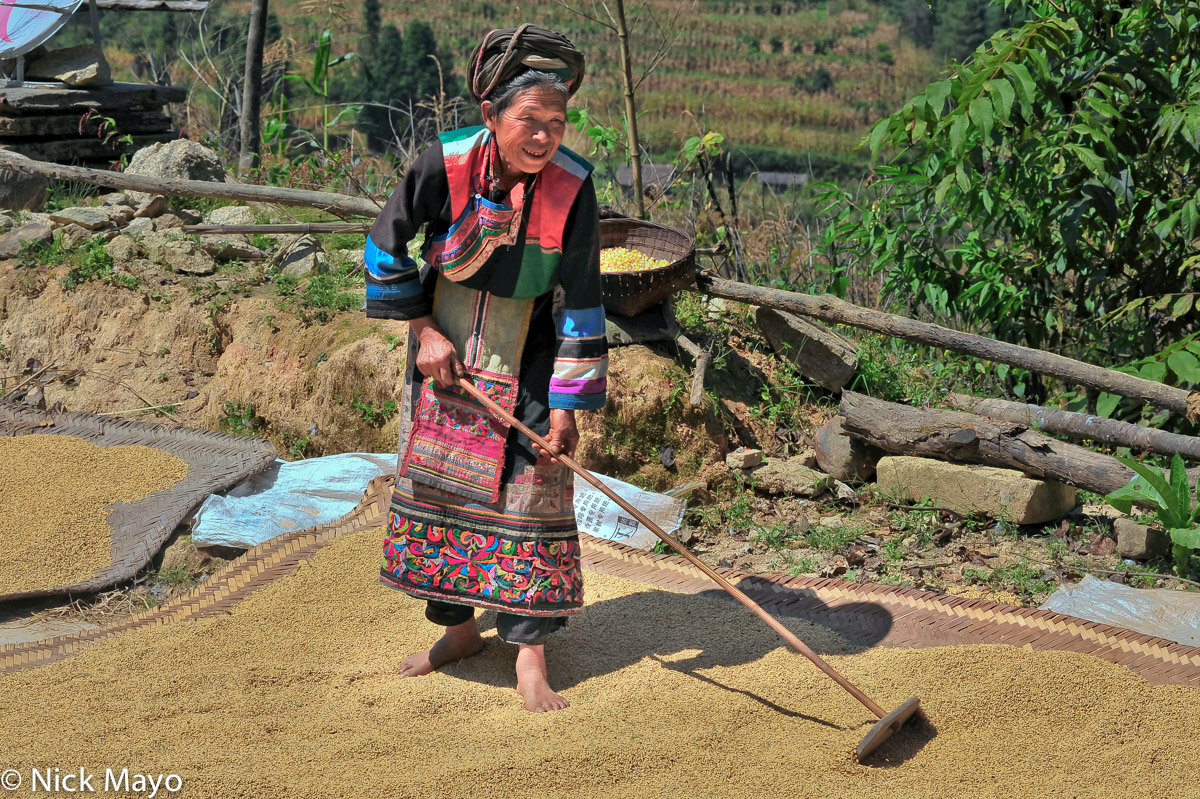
[(529, 130)]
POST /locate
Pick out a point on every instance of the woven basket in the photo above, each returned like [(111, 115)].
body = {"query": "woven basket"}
[(630, 293)]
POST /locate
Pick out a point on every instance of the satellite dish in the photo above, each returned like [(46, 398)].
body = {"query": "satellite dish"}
[(24, 24)]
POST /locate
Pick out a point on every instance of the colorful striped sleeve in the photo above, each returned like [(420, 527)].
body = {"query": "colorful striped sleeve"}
[(394, 289), (580, 377)]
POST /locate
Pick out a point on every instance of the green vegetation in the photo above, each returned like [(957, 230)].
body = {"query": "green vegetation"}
[(1045, 192), (322, 294), (241, 419), (1172, 500), (92, 262)]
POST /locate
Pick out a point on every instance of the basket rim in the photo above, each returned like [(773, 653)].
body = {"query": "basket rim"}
[(631, 222)]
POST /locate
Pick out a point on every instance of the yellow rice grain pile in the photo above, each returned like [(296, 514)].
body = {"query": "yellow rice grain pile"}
[(55, 498), (623, 259), (295, 694)]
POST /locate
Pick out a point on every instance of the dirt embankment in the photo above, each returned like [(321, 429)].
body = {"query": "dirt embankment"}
[(221, 354), (226, 363)]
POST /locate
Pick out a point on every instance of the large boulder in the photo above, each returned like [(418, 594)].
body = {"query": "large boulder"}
[(83, 65), (1140, 541), (175, 160), (20, 192), (12, 242), (181, 255), (791, 476), (843, 456), (997, 493)]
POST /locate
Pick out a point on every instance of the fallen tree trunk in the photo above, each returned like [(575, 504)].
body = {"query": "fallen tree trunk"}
[(339, 204), (831, 309), (967, 438), (1081, 426), (298, 227)]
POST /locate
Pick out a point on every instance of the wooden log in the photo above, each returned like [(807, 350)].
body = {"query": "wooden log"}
[(1081, 426), (153, 5), (109, 98), (817, 352), (299, 228), (339, 204), (75, 125), (703, 357), (832, 309), (967, 438)]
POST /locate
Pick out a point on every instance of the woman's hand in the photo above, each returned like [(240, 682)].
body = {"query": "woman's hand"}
[(437, 357), (563, 436)]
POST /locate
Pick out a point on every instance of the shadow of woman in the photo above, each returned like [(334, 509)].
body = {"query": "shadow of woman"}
[(687, 633)]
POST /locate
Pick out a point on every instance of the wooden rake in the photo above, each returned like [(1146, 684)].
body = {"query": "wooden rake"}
[(888, 722)]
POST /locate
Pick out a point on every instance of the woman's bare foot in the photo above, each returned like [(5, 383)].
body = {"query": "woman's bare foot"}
[(532, 683), (460, 641)]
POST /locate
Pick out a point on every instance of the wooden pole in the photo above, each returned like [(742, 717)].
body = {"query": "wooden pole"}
[(635, 155), (339, 204), (1081, 426), (831, 309), (250, 123), (732, 590), (296, 228)]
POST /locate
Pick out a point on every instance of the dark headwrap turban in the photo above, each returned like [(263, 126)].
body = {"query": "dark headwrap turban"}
[(505, 53)]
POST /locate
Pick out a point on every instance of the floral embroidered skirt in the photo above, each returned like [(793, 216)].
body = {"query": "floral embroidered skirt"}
[(519, 554)]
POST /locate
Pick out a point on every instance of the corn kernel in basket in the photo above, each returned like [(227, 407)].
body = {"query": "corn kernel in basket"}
[(621, 259)]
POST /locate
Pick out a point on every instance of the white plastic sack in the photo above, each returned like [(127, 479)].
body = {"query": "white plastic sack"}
[(596, 514), (1174, 615), (287, 497)]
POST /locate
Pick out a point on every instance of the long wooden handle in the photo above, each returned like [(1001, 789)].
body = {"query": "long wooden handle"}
[(731, 589)]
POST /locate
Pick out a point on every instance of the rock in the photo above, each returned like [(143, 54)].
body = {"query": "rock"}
[(842, 456), (140, 226), (742, 458), (72, 236), (173, 220), (175, 160), (83, 65), (8, 221), (306, 257), (790, 477), (997, 493), (181, 555), (178, 254), (117, 198), (88, 218), (12, 242), (1140, 541), (843, 491), (123, 249), (231, 248), (152, 207), (231, 215), (816, 351), (20, 192), (354, 258)]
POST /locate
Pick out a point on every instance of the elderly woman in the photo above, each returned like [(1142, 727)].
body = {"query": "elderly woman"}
[(480, 517)]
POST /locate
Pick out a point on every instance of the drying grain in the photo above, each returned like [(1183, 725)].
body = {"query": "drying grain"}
[(296, 694), (56, 493), (623, 259)]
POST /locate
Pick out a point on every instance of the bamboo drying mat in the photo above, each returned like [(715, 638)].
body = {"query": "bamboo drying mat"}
[(215, 462), (885, 615)]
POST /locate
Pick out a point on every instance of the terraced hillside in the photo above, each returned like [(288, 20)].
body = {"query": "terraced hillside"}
[(806, 78)]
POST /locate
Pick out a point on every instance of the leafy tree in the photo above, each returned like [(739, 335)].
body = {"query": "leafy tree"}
[(961, 26), (1046, 191), (372, 21), (387, 85)]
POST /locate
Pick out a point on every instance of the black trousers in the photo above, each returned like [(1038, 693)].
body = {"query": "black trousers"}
[(511, 628)]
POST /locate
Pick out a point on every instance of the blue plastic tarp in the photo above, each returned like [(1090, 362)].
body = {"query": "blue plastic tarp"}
[(287, 497)]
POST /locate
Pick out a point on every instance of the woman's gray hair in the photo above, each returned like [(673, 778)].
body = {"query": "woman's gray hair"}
[(504, 95)]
